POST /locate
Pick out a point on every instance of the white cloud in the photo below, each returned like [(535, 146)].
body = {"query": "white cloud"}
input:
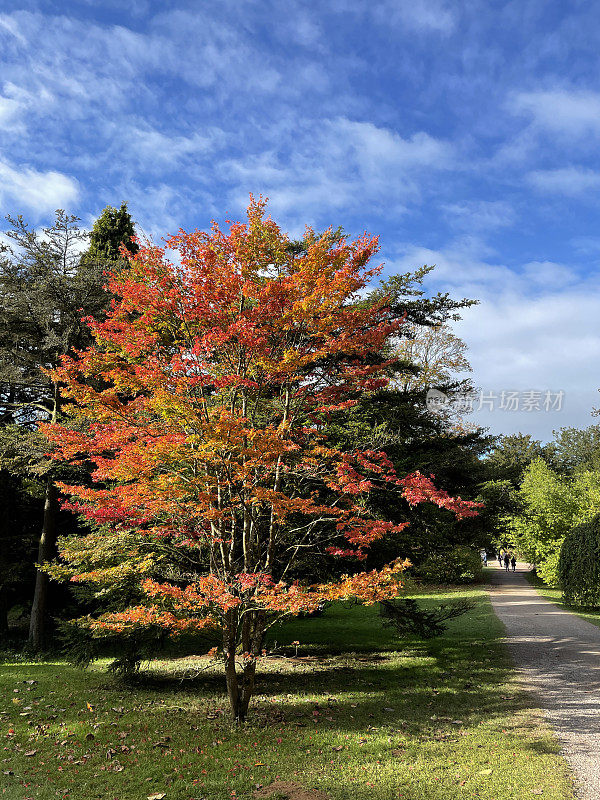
[(340, 163), (548, 274), (425, 15), (12, 27), (412, 15), (480, 215), (572, 113), (380, 149), (10, 110), (531, 331), (41, 192), (570, 181), (154, 151)]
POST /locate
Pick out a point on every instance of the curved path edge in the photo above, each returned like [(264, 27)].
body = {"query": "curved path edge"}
[(557, 655)]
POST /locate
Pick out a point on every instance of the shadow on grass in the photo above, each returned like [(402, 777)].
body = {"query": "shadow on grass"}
[(430, 699), (418, 693)]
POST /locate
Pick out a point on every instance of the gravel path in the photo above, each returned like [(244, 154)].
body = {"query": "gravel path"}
[(558, 655)]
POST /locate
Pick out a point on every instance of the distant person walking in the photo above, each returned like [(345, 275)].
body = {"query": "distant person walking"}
[(506, 561), (484, 557), (513, 563), (500, 557)]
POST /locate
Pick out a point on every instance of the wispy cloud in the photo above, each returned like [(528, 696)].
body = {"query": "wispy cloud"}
[(425, 16), (480, 215), (571, 113), (341, 163), (421, 15), (570, 181), (39, 192)]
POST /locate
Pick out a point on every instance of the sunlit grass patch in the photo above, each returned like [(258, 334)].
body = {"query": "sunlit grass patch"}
[(356, 714)]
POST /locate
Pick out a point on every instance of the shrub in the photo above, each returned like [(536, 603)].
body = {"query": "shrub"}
[(408, 618), (547, 569), (459, 565), (579, 564)]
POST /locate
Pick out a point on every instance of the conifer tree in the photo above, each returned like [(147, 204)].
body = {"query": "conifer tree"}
[(113, 229), (46, 287)]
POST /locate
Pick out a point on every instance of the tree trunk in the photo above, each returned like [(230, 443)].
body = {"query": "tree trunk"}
[(231, 678), (240, 687), (3, 612), (46, 552)]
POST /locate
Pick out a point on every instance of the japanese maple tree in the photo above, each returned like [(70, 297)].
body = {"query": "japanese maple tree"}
[(203, 404)]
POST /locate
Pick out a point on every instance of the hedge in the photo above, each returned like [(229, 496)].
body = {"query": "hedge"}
[(579, 564)]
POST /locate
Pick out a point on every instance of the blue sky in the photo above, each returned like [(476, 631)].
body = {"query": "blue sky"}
[(466, 134)]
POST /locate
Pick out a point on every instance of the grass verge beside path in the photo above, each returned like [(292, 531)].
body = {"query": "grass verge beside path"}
[(555, 595), (351, 716)]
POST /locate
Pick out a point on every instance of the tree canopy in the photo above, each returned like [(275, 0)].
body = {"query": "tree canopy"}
[(220, 370), (48, 283)]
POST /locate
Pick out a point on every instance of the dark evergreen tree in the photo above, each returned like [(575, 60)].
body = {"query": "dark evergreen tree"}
[(113, 229), (399, 421), (512, 454), (48, 283)]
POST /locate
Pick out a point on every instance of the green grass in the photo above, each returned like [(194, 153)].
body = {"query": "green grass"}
[(352, 716), (591, 614)]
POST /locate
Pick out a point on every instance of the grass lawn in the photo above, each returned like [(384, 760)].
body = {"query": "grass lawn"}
[(353, 716), (591, 614)]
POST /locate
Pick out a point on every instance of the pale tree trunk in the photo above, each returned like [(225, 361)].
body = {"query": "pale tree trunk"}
[(46, 552)]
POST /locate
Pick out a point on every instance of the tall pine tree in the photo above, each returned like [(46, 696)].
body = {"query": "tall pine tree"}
[(48, 282)]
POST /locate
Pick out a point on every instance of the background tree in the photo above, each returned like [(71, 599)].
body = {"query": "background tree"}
[(46, 287), (575, 449), (551, 505), (579, 566), (113, 230), (399, 420), (223, 367), (512, 454), (438, 353), (504, 467)]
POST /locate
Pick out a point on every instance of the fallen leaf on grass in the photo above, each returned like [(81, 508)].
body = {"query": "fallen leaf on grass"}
[(30, 753), (485, 772), (289, 790), (157, 796)]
